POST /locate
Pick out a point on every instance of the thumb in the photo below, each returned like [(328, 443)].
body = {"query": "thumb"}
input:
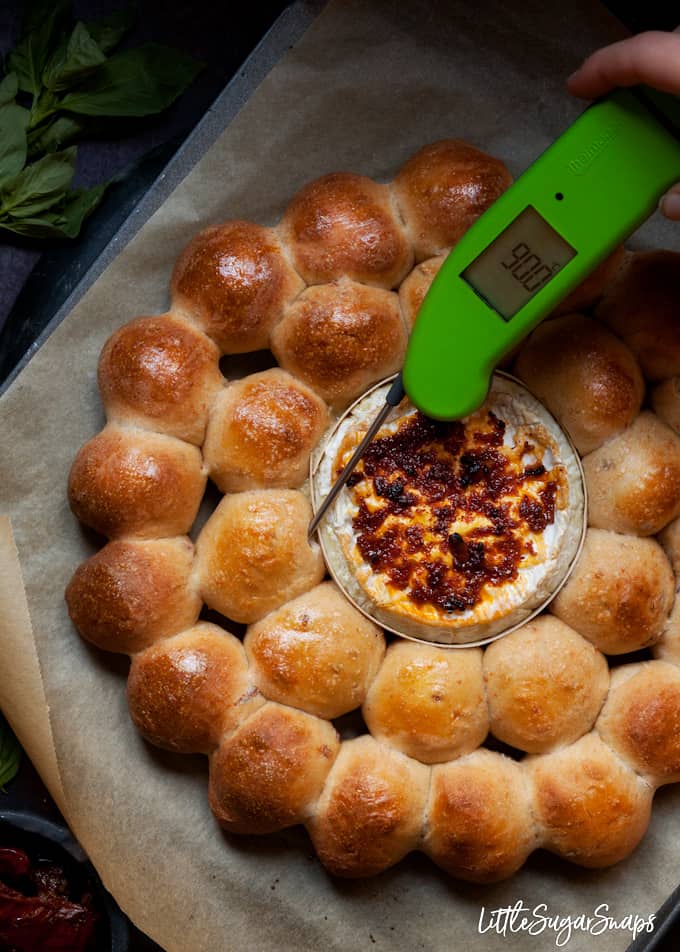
[(670, 203)]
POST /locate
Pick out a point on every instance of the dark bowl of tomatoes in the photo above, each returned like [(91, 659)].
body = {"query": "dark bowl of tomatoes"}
[(51, 898)]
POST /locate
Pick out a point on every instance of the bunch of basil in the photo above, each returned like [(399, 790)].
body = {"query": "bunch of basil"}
[(64, 74)]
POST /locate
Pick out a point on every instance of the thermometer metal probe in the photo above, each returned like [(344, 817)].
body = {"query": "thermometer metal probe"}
[(571, 208)]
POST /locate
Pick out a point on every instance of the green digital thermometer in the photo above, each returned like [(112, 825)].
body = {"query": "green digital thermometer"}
[(580, 199)]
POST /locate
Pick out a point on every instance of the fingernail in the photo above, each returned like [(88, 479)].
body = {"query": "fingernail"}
[(670, 205)]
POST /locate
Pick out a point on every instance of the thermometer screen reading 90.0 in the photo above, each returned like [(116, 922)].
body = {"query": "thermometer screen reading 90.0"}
[(519, 263)]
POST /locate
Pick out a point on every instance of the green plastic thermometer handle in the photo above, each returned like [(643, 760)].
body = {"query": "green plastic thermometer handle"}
[(580, 199)]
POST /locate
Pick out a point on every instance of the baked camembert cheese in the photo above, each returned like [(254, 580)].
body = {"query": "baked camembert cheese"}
[(452, 532)]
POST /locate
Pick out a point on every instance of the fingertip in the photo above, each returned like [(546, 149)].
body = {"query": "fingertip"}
[(670, 203)]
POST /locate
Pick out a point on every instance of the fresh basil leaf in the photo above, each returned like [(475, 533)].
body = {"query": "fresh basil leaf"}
[(44, 227), (13, 123), (40, 185), (108, 33), (10, 754), (79, 204), (76, 59), (42, 32), (138, 82), (9, 87), (54, 134)]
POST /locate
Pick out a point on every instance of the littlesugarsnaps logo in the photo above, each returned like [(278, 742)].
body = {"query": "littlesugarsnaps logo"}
[(510, 920)]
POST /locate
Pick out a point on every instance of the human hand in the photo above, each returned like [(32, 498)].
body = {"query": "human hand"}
[(651, 58)]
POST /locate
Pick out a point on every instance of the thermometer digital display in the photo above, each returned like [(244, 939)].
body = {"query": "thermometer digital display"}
[(518, 263)]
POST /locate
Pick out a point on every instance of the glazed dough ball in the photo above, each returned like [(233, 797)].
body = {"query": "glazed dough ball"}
[(345, 224), (414, 288), (253, 554), (585, 376), (261, 432), (234, 281), (633, 480), (317, 652), (269, 773), (340, 338), (370, 813), (443, 189), (185, 692), (131, 593), (428, 702), (620, 593), (162, 373), (641, 719), (643, 307), (593, 810), (478, 818), (130, 482), (545, 685), (588, 293), (666, 402)]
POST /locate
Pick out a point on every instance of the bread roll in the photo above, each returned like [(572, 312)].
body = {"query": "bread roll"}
[(317, 652), (666, 402), (641, 719), (634, 480), (261, 432), (130, 482), (234, 281), (130, 594), (340, 338), (370, 813), (443, 189), (253, 554), (162, 373), (185, 692), (667, 648), (478, 818), (589, 291), (585, 376), (345, 225), (670, 541), (593, 809), (643, 307), (428, 702), (620, 592), (413, 288), (545, 685), (269, 773)]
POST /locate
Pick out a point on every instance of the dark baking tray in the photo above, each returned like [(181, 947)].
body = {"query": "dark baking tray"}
[(65, 273)]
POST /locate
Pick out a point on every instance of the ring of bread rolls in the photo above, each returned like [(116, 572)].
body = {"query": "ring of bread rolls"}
[(332, 291)]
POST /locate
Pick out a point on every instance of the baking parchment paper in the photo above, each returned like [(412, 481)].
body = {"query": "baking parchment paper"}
[(366, 86)]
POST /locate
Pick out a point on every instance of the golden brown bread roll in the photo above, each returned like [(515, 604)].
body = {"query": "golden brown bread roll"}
[(162, 373), (588, 292), (253, 554), (666, 402), (592, 809), (586, 377), (370, 812), (545, 685), (340, 338), (443, 189), (269, 773), (478, 818), (185, 692), (428, 702), (415, 286), (316, 652), (234, 281), (620, 593), (345, 225), (670, 542), (131, 593), (641, 719), (261, 432), (667, 648), (643, 307), (633, 480), (130, 482)]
